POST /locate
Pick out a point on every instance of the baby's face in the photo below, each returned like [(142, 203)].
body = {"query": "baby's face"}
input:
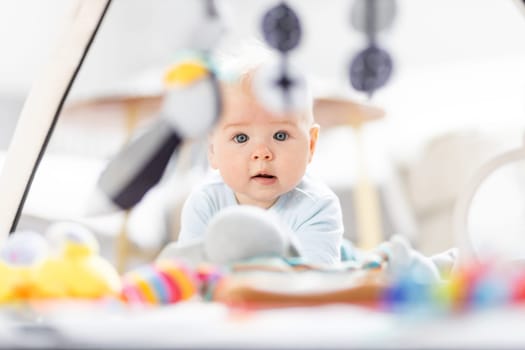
[(260, 155)]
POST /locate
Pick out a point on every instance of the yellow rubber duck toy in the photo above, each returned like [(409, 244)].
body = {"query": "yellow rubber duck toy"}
[(75, 269), (22, 257)]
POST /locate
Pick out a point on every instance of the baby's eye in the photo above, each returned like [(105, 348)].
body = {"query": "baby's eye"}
[(240, 138), (280, 135)]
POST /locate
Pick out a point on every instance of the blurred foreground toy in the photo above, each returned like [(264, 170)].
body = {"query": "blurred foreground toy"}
[(401, 280), (163, 282), (75, 269), (470, 288), (21, 259), (263, 289), (402, 260), (31, 268)]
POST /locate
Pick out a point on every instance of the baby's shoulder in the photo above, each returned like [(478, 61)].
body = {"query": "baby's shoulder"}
[(312, 188), (213, 190), (310, 198), (212, 181)]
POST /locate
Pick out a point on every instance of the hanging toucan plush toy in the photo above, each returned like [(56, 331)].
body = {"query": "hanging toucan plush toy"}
[(191, 106)]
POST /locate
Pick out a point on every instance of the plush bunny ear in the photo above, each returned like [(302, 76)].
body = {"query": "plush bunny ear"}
[(404, 260), (446, 261)]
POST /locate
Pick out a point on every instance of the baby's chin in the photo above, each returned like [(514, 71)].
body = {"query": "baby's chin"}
[(264, 202), (262, 199)]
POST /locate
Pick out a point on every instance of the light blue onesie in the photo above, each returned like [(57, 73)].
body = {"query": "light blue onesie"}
[(311, 210)]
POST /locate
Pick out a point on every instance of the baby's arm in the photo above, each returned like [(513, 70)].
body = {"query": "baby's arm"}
[(194, 221), (195, 215), (321, 233)]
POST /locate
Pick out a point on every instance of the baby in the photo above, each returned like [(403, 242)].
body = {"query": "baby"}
[(261, 157)]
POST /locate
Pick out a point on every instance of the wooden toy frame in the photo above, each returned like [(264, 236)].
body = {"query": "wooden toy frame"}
[(42, 109)]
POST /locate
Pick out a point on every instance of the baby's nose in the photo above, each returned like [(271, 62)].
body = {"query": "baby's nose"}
[(262, 152)]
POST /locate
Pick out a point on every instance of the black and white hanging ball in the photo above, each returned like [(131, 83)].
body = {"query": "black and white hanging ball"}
[(281, 28), (370, 69)]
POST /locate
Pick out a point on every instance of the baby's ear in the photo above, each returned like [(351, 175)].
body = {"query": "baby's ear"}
[(314, 136)]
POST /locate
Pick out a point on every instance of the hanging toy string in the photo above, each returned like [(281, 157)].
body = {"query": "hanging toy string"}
[(282, 31)]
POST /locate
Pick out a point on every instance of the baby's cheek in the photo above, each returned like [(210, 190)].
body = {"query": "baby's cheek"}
[(232, 173), (234, 180)]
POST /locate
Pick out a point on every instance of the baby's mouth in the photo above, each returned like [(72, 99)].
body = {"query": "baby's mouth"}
[(263, 176)]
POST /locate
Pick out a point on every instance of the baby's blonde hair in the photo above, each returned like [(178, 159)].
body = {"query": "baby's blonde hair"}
[(235, 64), (237, 68)]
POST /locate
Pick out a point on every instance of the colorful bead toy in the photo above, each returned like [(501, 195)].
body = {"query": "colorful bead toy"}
[(208, 276), (477, 285), (164, 282)]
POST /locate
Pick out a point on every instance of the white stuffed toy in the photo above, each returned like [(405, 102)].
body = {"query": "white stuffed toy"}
[(402, 259), (237, 233)]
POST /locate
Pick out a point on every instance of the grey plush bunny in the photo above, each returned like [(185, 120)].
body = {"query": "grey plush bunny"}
[(237, 233)]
